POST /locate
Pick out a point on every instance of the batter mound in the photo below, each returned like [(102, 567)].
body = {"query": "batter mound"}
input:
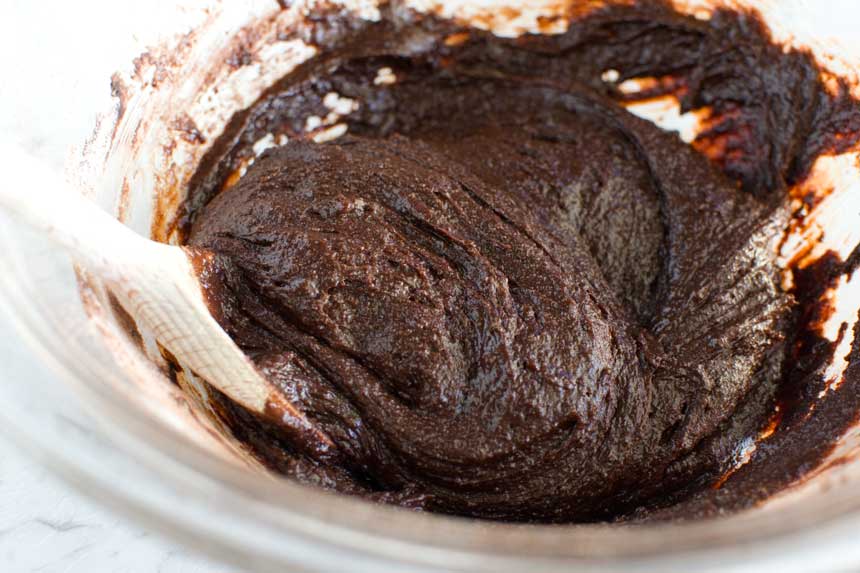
[(500, 294)]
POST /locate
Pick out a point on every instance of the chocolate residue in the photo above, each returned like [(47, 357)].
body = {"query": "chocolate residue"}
[(502, 295), (188, 130), (125, 320), (119, 91)]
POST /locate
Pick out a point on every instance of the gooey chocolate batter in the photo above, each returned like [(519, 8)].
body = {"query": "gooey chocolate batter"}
[(501, 294)]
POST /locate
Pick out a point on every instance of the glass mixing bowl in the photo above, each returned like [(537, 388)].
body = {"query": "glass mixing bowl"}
[(95, 405)]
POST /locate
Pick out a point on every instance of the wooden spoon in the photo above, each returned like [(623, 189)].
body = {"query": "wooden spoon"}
[(156, 283)]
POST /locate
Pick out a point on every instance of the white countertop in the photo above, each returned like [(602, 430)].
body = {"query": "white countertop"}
[(47, 527)]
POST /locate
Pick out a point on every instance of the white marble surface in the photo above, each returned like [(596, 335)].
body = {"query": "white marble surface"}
[(47, 527)]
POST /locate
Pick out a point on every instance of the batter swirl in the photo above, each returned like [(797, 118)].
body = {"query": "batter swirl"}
[(502, 295)]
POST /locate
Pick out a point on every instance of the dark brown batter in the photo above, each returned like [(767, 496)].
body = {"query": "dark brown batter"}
[(501, 294)]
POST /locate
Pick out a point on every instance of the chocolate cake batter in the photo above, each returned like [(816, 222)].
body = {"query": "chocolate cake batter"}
[(502, 295)]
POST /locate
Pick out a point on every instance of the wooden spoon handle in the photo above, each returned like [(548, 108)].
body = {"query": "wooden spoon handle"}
[(156, 283), (41, 198)]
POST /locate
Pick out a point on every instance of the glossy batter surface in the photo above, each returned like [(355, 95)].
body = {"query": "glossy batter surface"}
[(501, 294)]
